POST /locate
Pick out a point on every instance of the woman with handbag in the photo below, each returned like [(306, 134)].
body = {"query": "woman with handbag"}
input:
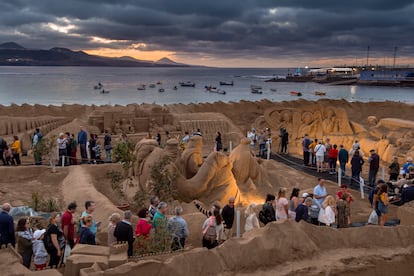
[(57, 238)]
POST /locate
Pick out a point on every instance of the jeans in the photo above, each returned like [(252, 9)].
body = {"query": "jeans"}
[(332, 164), (342, 165), (83, 153), (108, 156)]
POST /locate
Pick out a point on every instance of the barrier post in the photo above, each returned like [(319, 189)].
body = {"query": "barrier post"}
[(238, 224), (230, 146), (268, 151), (361, 187), (339, 177), (63, 161)]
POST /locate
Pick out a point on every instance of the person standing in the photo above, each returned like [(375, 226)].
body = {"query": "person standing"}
[(24, 241), (160, 226), (302, 211), (68, 224), (152, 209), (91, 146), (158, 139), (228, 217), (89, 209), (305, 146), (178, 229), (284, 135), (394, 169), (373, 161), (320, 155), (3, 146), (124, 232), (333, 157), (62, 144), (343, 211), (6, 226), (319, 192), (262, 144), (219, 145), (16, 150), (251, 218), (56, 236), (39, 251), (343, 159), (36, 147), (68, 149), (282, 205), (113, 221), (383, 203), (108, 146), (73, 147), (85, 234), (82, 139), (356, 166)]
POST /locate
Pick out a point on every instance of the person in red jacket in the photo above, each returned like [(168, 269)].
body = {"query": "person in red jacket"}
[(333, 157)]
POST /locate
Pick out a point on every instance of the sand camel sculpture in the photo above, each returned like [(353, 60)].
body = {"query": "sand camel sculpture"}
[(210, 180)]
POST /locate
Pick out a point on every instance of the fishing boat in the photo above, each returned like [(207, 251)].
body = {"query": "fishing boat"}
[(215, 90), (159, 82), (103, 91), (161, 89), (295, 93), (227, 83), (320, 93), (255, 89), (151, 85), (175, 87), (141, 87), (187, 84)]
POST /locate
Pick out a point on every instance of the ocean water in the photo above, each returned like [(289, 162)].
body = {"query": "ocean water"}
[(74, 85)]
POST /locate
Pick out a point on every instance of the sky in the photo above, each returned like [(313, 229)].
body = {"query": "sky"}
[(222, 33)]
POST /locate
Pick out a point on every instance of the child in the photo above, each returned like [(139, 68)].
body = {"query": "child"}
[(39, 250), (98, 152)]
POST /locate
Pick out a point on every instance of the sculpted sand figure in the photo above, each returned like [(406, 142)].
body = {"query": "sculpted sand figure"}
[(192, 156), (214, 182), (143, 150)]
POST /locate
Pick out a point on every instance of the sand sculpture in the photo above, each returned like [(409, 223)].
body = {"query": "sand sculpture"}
[(388, 136), (209, 180)]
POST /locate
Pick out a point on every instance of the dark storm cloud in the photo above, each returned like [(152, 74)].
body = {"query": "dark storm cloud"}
[(228, 28)]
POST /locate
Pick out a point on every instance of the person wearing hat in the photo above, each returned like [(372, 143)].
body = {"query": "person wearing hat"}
[(39, 251), (408, 164), (373, 161)]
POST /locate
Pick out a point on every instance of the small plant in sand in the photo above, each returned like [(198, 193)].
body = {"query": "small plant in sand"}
[(40, 203), (163, 181), (140, 200), (46, 147), (116, 184), (123, 152)]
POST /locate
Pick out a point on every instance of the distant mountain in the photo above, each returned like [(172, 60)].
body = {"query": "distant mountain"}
[(11, 45), (13, 54), (167, 61)]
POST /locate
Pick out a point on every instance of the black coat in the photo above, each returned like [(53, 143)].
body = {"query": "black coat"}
[(125, 233), (7, 229)]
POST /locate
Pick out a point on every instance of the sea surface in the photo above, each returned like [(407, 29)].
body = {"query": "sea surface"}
[(75, 85)]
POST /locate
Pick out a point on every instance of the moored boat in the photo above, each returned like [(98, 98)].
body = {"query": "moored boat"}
[(227, 83), (151, 85), (255, 89), (187, 84), (295, 93), (273, 89), (141, 87), (320, 93), (99, 86), (161, 89), (103, 91)]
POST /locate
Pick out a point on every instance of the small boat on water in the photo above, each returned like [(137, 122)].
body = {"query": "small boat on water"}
[(320, 93), (255, 89), (141, 87), (273, 89), (103, 91), (227, 83), (295, 93), (98, 87), (151, 85), (187, 84), (161, 89), (175, 87), (215, 90), (159, 82)]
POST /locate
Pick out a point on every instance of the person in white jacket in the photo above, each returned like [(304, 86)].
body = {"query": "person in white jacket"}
[(39, 250), (327, 211), (251, 218)]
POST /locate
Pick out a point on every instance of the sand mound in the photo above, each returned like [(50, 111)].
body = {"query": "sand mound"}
[(289, 248)]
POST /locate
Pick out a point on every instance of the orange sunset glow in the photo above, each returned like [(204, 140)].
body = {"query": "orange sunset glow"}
[(135, 53)]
